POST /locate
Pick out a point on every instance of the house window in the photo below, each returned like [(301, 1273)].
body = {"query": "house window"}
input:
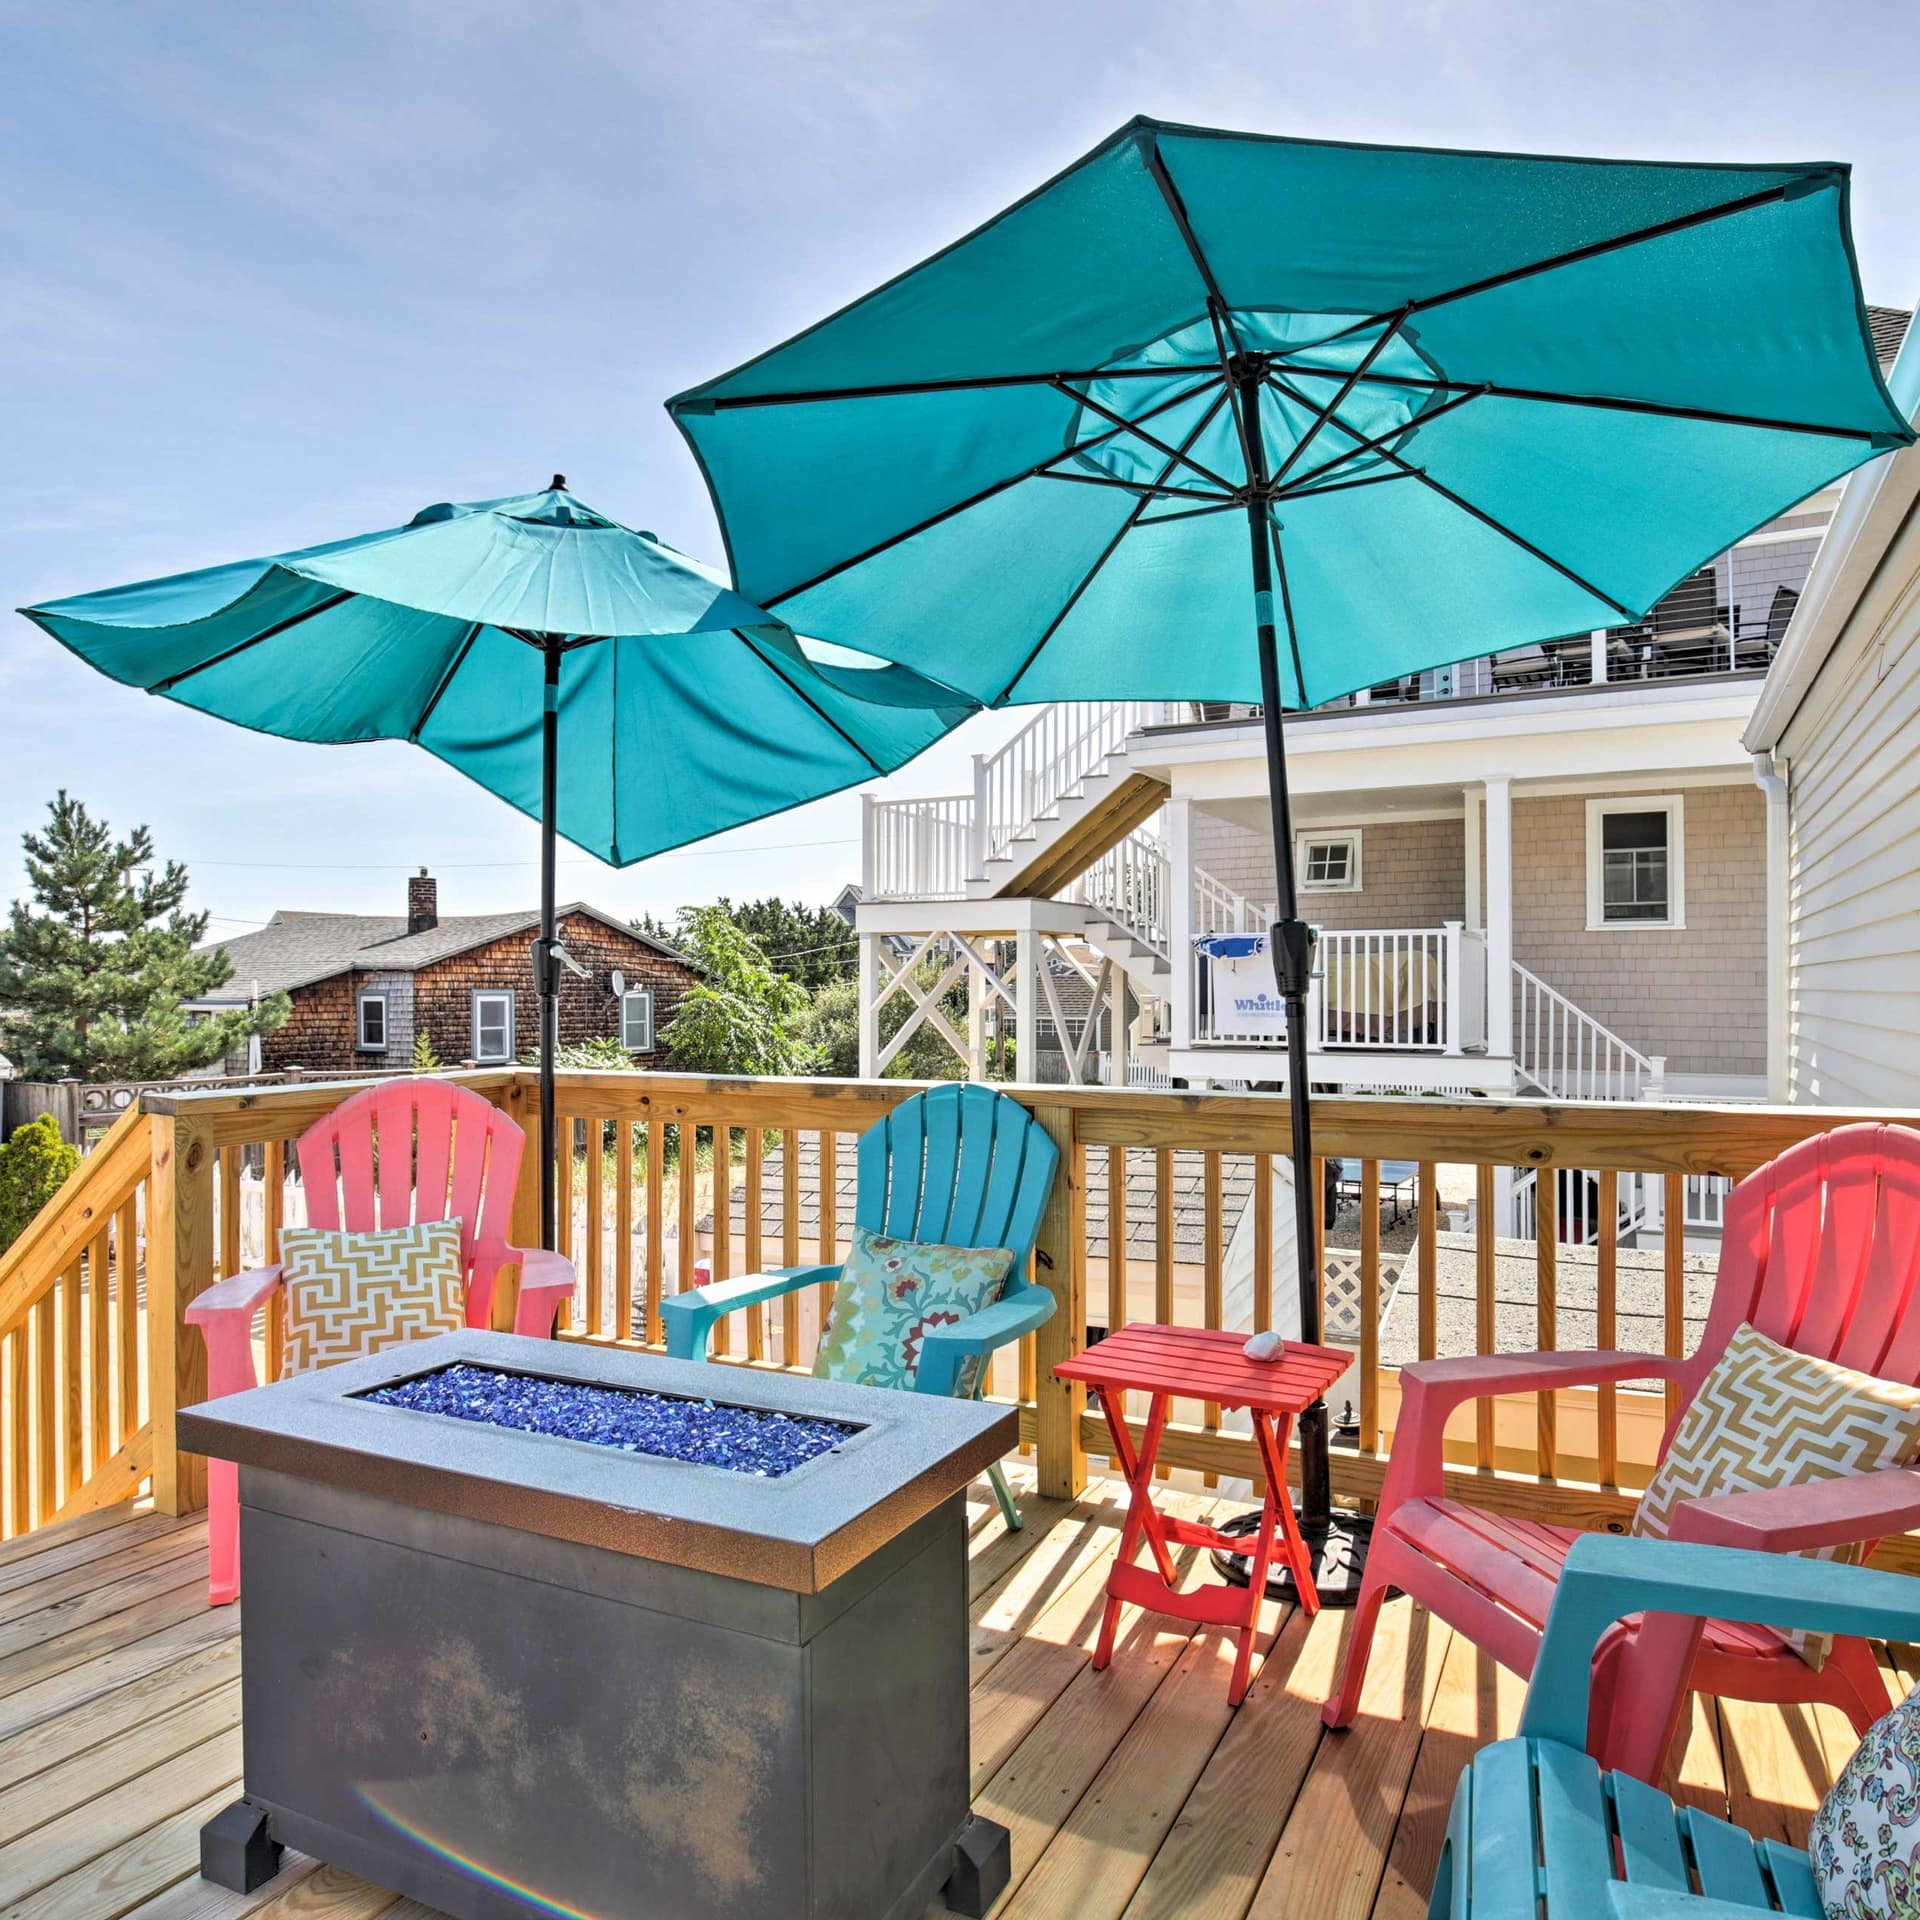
[(1330, 863), (370, 1023), (636, 1020), (1635, 862), (492, 1028)]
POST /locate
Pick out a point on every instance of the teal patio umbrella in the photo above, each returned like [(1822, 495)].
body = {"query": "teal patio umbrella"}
[(619, 693), (1217, 416)]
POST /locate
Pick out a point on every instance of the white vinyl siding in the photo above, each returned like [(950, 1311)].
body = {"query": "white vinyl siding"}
[(1853, 881)]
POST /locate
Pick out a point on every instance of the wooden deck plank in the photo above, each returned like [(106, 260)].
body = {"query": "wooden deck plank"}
[(130, 1755), (127, 1875), (1776, 1768), (66, 1533), (94, 1544), (182, 1678), (62, 1846), (1333, 1849), (1103, 1849), (164, 1605), (42, 1609), (61, 1693), (197, 1899)]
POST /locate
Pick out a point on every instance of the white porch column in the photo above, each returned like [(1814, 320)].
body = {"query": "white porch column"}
[(1599, 656), (1121, 1037), (979, 825), (1470, 834), (869, 1012), (867, 861), (1026, 1003), (1499, 903), (1179, 832)]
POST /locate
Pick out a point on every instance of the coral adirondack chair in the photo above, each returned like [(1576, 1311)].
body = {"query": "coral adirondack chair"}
[(1539, 1832), (394, 1155), (1819, 1252), (959, 1165)]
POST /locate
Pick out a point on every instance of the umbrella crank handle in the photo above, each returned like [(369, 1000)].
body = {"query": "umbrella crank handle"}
[(1296, 947), (549, 956)]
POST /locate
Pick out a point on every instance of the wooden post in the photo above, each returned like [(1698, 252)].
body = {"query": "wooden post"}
[(520, 1102), (1060, 1265), (180, 1267)]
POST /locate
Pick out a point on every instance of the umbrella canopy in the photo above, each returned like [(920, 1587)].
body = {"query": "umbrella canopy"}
[(514, 639), (1216, 416), (683, 708)]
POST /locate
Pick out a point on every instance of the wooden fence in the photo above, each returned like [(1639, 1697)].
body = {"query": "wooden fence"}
[(653, 1153)]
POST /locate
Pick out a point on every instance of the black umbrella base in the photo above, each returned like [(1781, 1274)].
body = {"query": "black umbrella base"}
[(1338, 1547)]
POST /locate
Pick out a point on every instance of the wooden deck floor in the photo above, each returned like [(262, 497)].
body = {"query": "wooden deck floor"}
[(1131, 1793)]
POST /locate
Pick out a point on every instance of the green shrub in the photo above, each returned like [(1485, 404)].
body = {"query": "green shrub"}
[(34, 1166)]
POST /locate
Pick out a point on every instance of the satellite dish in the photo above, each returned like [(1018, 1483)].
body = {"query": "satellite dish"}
[(619, 983)]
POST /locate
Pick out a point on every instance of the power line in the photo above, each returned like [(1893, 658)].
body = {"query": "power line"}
[(446, 866)]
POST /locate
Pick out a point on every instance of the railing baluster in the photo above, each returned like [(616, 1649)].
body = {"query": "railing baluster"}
[(623, 1230), (45, 1431), (73, 1468), (273, 1176), (721, 1265), (99, 1352), (1163, 1245), (790, 1244), (656, 1278), (563, 1203), (1673, 1247), (756, 1316), (1212, 1305), (126, 1281), (596, 1201), (1547, 1312), (1428, 1256), (1605, 1328), (1262, 1242), (1116, 1238), (1484, 1273), (18, 1434), (687, 1137), (829, 1220), (1369, 1306)]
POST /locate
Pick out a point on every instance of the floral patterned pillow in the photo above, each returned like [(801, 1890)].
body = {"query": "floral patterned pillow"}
[(1865, 1843), (891, 1294)]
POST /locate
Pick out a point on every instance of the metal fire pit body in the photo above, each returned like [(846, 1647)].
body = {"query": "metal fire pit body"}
[(509, 1674)]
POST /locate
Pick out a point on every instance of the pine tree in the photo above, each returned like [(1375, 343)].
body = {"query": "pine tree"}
[(94, 968)]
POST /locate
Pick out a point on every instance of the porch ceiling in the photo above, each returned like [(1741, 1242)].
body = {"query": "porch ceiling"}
[(1332, 809)]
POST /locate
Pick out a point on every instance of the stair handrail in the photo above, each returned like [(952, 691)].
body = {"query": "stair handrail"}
[(1132, 884), (1050, 756), (1569, 1055)]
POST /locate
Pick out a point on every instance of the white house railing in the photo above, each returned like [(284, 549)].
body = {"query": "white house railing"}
[(1564, 1052), (1376, 988), (1132, 884), (1044, 762), (917, 849)]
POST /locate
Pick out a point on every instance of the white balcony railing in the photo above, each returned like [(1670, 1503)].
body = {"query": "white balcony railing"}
[(1044, 762), (1132, 884), (1561, 1050), (1398, 989), (918, 849)]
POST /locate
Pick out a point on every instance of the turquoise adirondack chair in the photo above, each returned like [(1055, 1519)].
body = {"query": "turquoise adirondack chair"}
[(960, 1165), (1539, 1832)]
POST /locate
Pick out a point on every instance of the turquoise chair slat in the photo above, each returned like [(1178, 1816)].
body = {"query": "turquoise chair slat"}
[(1793, 1883), (1649, 1837), (1572, 1812), (909, 1173), (941, 1120), (1503, 1845), (1725, 1858), (979, 1121)]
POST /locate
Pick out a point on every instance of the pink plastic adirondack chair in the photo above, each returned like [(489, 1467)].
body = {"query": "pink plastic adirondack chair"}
[(1819, 1252), (442, 1152)]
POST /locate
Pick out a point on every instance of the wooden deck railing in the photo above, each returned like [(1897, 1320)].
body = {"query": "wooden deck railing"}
[(667, 1172)]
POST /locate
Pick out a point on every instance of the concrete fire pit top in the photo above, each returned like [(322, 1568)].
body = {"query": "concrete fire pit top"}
[(800, 1531)]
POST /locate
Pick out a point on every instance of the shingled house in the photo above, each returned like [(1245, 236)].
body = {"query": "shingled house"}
[(364, 987)]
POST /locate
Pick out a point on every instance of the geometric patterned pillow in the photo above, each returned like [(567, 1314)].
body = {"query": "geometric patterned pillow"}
[(890, 1294), (1769, 1417), (1865, 1843), (351, 1294)]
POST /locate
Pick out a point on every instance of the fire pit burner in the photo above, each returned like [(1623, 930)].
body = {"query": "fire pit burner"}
[(707, 1433)]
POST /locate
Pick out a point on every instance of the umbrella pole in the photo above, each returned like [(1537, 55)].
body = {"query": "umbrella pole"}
[(1337, 1541), (546, 968)]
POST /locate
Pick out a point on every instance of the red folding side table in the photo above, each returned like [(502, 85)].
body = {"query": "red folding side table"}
[(1193, 1363)]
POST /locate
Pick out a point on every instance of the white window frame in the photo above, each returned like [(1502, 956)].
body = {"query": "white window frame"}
[(371, 996), (1673, 805), (492, 993), (645, 996), (1304, 842)]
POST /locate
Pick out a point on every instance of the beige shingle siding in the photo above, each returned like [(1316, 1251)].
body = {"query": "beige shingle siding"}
[(1697, 993), (1413, 872), (1854, 866)]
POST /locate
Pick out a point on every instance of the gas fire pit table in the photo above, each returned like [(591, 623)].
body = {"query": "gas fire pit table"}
[(708, 1659)]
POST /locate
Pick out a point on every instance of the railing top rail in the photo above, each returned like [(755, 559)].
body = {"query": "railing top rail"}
[(922, 800)]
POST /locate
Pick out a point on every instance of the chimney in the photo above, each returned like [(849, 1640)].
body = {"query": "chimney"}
[(423, 902)]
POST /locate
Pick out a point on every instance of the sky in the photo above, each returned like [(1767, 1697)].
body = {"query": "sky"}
[(274, 275)]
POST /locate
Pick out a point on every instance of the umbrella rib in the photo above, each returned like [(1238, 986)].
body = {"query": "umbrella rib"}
[(1286, 605), (1147, 487), (279, 627), (1347, 486), (443, 683), (1374, 442), (1197, 513), (1333, 406), (1159, 446), (1604, 402), (961, 506), (907, 389), (1481, 514), (1177, 208), (806, 699), (1106, 553)]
